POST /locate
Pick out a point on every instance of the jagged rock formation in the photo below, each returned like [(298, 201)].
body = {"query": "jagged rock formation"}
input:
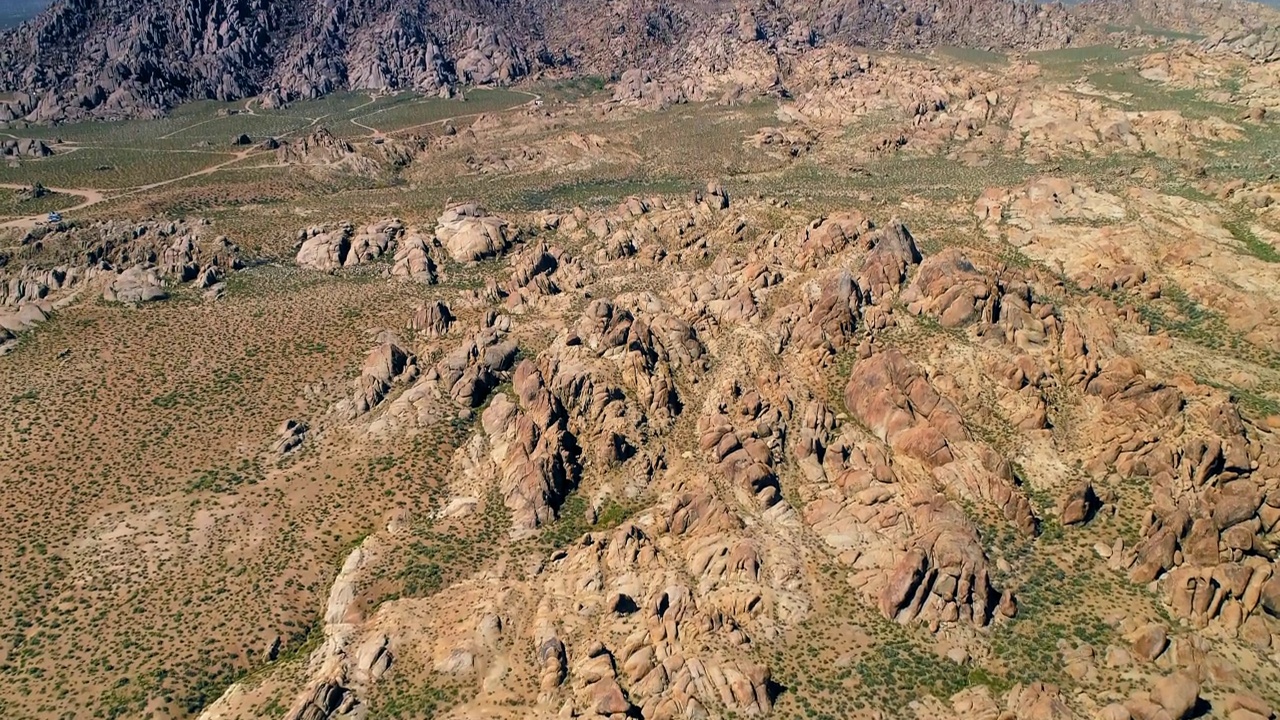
[(700, 454), (289, 436), (25, 148), (125, 262), (417, 258), (320, 151), (470, 234), (535, 454), (387, 366), (432, 320), (329, 248), (909, 410), (137, 284), (1225, 22), (473, 368), (1257, 43)]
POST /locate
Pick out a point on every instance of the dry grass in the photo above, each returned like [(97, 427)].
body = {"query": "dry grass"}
[(154, 549)]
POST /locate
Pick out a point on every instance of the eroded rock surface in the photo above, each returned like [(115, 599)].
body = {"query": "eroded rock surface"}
[(330, 248), (470, 234)]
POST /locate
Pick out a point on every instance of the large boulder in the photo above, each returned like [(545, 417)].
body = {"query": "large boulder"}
[(948, 287), (470, 234), (386, 365), (413, 260), (891, 396), (471, 370), (289, 435), (825, 323), (944, 576), (893, 251), (1177, 694), (138, 284), (327, 248), (324, 249), (26, 317), (432, 319)]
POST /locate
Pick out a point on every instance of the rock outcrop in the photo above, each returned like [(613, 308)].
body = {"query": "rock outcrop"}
[(706, 421), (25, 148), (289, 436), (385, 367), (535, 455), (470, 234), (138, 284), (328, 248), (416, 258), (433, 320), (475, 367), (893, 398), (321, 150)]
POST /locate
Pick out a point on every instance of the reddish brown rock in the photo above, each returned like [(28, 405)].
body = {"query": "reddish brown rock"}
[(1177, 694), (1078, 505), (893, 398)]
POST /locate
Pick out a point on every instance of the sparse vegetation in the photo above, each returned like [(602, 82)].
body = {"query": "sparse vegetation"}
[(157, 548), (1241, 231)]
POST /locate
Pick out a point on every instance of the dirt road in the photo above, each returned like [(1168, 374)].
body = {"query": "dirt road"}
[(92, 196)]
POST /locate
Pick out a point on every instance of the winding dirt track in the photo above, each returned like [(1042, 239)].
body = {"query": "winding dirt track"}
[(92, 196)]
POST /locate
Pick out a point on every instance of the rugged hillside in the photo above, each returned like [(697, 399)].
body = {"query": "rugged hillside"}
[(1198, 17), (877, 385), (115, 59), (110, 58)]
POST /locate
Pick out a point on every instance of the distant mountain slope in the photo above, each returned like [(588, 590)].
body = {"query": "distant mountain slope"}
[(1200, 17), (117, 58), (122, 58)]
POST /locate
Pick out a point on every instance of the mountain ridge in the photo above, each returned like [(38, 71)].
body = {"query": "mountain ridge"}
[(107, 59)]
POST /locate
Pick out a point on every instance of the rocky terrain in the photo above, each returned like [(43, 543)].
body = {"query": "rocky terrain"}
[(106, 59), (816, 397), (827, 360)]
